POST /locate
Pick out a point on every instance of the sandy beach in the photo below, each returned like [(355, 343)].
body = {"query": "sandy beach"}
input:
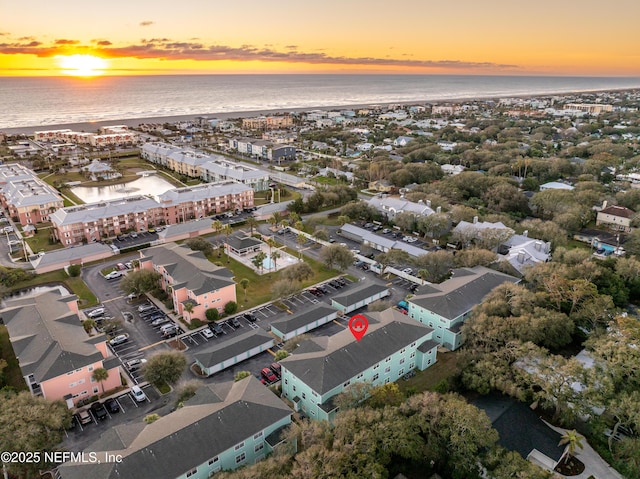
[(134, 122)]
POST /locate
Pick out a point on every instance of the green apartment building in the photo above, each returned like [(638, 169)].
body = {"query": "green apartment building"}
[(320, 368), (445, 306)]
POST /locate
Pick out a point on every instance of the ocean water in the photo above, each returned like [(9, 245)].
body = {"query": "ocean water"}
[(57, 100)]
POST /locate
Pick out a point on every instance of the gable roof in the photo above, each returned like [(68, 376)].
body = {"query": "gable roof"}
[(359, 293), (217, 418), (47, 336), (620, 211), (217, 353), (331, 361), (304, 317), (189, 269), (459, 294)]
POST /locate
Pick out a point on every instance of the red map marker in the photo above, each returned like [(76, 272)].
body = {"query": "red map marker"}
[(358, 325)]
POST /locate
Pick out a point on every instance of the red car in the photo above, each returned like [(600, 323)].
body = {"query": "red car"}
[(268, 375), (276, 368)]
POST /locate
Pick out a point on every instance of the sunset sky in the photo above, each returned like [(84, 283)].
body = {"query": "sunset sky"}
[(511, 37)]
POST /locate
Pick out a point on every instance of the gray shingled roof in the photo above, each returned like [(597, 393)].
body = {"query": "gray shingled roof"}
[(217, 353), (359, 293), (66, 255), (103, 209), (239, 244), (204, 428), (201, 192), (304, 317), (189, 269), (343, 358), (47, 337), (464, 290)]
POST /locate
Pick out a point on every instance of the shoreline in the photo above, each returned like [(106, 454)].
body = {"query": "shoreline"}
[(91, 126)]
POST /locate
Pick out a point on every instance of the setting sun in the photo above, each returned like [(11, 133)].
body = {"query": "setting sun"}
[(82, 65)]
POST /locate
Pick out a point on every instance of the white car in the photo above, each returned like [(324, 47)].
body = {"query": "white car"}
[(138, 394), (407, 271), (113, 275), (206, 332), (95, 313), (119, 339), (135, 364)]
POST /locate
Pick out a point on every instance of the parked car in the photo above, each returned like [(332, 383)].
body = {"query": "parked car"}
[(268, 375), (235, 323), (276, 368), (135, 364), (84, 417), (323, 289), (134, 235), (99, 411), (250, 317), (121, 266), (315, 291), (146, 307), (386, 231), (133, 296), (119, 339), (206, 332), (341, 280), (112, 405), (160, 320), (216, 328), (113, 275), (138, 394), (407, 271), (96, 313)]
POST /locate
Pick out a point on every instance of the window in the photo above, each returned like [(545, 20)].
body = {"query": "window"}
[(240, 458), (412, 355), (413, 345), (359, 376), (81, 381), (258, 435), (375, 377), (286, 381), (72, 385), (376, 366), (387, 370), (402, 361), (90, 368), (239, 446), (402, 351), (346, 384), (95, 390), (412, 365), (192, 472), (388, 359), (304, 395), (258, 447), (387, 380), (294, 388), (401, 372)]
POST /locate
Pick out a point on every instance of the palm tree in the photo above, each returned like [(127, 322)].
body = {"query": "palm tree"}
[(573, 440), (189, 306), (275, 256), (100, 375), (217, 228), (294, 217), (299, 225), (276, 218), (252, 223), (244, 283), (228, 231), (301, 239), (258, 260), (423, 274)]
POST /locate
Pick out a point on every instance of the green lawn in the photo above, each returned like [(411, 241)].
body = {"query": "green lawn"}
[(86, 298), (444, 368), (259, 289), (40, 241), (12, 375)]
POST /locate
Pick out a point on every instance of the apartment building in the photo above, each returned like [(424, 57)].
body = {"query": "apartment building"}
[(56, 356), (323, 367), (263, 149), (267, 122), (115, 135), (223, 427), (191, 280), (447, 305), (25, 196), (220, 169), (92, 222)]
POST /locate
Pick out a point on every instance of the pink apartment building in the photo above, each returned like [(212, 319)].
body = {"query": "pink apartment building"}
[(192, 281), (57, 357)]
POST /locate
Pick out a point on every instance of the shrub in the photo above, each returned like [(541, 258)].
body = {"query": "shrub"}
[(231, 307), (212, 314), (281, 354), (195, 323), (149, 418), (74, 270), (241, 375)]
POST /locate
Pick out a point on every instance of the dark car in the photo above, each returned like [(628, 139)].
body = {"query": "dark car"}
[(323, 289), (276, 368), (99, 411), (315, 291), (235, 323), (112, 405), (268, 375), (335, 284), (250, 317), (342, 281), (216, 329)]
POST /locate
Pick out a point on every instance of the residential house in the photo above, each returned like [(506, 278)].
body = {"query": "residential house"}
[(447, 305), (617, 218), (56, 355), (303, 321), (323, 367), (191, 280), (556, 185), (221, 169), (382, 186), (223, 427), (218, 357), (25, 196), (483, 233), (391, 206), (521, 251), (402, 141), (449, 169)]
